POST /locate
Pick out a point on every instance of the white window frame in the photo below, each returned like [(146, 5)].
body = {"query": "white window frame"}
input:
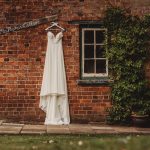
[(83, 58)]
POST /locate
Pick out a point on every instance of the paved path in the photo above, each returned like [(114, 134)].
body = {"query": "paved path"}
[(12, 128)]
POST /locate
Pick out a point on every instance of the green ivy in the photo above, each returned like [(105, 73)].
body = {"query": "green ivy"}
[(127, 53)]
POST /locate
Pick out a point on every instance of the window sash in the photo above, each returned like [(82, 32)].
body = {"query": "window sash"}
[(94, 44)]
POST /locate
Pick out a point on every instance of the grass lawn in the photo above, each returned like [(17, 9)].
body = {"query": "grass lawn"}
[(70, 142)]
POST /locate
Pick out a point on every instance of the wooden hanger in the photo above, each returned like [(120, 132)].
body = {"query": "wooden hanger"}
[(55, 24)]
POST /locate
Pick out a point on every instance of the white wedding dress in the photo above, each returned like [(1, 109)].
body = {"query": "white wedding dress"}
[(53, 96)]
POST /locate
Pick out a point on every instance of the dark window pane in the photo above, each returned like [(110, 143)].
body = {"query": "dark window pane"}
[(100, 36), (100, 51), (100, 66), (89, 66), (88, 36), (89, 51)]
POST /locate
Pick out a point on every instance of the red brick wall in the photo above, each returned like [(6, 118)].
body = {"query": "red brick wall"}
[(22, 56)]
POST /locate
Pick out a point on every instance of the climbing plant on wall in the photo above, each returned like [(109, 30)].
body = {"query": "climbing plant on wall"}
[(127, 53)]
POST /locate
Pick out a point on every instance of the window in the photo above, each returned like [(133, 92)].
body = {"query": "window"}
[(93, 45)]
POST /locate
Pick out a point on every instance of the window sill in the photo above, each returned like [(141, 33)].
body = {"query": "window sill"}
[(94, 82)]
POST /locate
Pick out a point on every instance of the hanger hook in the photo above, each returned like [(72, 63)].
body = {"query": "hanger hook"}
[(55, 23)]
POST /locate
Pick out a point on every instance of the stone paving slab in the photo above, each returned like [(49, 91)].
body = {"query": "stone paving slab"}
[(13, 128), (1, 121), (103, 130), (80, 129), (58, 129), (126, 130), (4, 129), (12, 124), (79, 125), (33, 129), (143, 130)]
